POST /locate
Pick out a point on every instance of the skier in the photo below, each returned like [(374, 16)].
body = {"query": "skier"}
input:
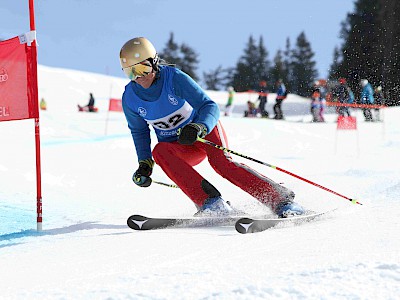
[(180, 112)]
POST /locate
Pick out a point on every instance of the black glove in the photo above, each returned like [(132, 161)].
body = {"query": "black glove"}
[(142, 175), (190, 132)]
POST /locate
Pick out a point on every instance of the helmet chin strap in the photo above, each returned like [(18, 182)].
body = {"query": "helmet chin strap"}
[(154, 62)]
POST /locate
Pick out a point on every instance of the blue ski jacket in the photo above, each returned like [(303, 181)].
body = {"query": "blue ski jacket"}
[(172, 101), (280, 93), (367, 94)]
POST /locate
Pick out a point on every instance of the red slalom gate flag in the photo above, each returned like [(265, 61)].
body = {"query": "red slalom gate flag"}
[(115, 105), (346, 123), (17, 88)]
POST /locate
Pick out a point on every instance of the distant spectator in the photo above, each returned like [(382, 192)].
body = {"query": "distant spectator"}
[(379, 100), (91, 103), (315, 96), (322, 100), (367, 98), (251, 110), (229, 104), (280, 96), (351, 95), (263, 98), (342, 93), (43, 104), (90, 106)]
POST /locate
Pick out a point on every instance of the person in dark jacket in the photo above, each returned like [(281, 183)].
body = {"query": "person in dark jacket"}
[(263, 99), (90, 105), (379, 100), (342, 93)]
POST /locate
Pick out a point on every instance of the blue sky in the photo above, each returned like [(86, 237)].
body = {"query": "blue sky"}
[(88, 34)]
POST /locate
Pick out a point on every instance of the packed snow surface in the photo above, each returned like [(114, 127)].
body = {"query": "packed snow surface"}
[(86, 251)]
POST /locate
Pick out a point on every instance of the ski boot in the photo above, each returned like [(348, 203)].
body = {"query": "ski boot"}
[(289, 209), (215, 207)]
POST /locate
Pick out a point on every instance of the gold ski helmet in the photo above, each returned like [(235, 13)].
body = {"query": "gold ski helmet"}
[(138, 57)]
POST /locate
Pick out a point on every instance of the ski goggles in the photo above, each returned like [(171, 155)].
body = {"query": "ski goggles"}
[(138, 70)]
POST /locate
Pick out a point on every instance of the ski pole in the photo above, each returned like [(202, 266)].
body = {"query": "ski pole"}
[(354, 201), (166, 184)]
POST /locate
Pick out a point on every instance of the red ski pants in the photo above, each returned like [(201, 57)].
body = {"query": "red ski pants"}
[(177, 162)]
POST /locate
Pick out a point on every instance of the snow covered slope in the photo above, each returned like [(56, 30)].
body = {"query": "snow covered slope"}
[(86, 251)]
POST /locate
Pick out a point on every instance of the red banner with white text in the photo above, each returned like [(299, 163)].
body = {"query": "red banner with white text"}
[(17, 80)]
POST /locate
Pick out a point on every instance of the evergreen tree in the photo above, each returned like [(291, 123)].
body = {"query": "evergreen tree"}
[(279, 70), (243, 78), (361, 51), (170, 52), (189, 61), (263, 67), (252, 66), (389, 18), (304, 70), (183, 56), (217, 79), (287, 61), (334, 68)]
